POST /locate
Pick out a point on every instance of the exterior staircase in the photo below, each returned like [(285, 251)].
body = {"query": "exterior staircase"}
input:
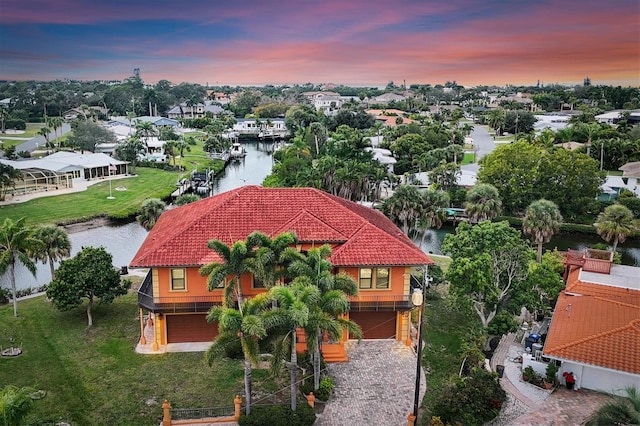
[(334, 352)]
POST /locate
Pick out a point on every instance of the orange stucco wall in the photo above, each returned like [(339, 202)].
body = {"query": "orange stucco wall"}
[(399, 277), (197, 284)]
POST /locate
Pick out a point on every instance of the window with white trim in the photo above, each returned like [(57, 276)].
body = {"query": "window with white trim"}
[(178, 280), (374, 279)]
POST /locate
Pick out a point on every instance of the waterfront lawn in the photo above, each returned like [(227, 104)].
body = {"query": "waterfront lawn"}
[(94, 377), (85, 205)]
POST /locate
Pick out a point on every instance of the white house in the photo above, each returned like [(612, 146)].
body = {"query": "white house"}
[(595, 329)]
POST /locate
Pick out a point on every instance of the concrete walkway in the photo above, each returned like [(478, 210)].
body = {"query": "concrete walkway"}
[(376, 386)]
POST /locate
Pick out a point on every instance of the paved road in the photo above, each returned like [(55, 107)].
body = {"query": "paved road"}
[(40, 141)]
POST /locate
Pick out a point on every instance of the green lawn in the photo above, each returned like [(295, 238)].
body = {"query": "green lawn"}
[(469, 158), (94, 377), (84, 205)]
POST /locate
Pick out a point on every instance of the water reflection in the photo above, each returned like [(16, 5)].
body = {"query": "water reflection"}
[(121, 241), (432, 240)]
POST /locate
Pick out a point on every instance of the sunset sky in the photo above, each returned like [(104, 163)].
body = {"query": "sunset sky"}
[(351, 42)]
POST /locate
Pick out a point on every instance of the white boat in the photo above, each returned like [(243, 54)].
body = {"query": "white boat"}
[(237, 150)]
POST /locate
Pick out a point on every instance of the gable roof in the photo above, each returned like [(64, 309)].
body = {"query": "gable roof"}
[(596, 324), (363, 236)]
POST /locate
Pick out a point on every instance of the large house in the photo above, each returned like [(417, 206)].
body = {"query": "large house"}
[(595, 329), (368, 246)]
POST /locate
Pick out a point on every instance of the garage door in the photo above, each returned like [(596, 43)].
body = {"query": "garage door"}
[(190, 328), (376, 325)]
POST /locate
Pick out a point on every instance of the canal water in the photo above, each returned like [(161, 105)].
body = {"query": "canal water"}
[(123, 241)]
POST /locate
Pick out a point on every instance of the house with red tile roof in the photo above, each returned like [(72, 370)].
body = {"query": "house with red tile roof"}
[(595, 329), (174, 296)]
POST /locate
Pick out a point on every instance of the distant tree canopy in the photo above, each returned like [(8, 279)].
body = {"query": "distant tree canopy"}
[(87, 134), (523, 173)]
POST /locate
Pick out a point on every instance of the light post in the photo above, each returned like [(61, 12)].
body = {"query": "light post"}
[(417, 299)]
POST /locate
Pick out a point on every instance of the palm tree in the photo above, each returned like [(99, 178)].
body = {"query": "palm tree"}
[(55, 123), (615, 223), (435, 201), (619, 411), (266, 264), (130, 150), (483, 203), (16, 245), (542, 219), (44, 132), (496, 119), (404, 207), (293, 312), (234, 263), (15, 404), (145, 130), (327, 315), (245, 325), (55, 245), (590, 130), (149, 212)]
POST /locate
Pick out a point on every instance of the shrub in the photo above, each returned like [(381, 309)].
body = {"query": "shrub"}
[(276, 415), (324, 390), (15, 124), (472, 400), (552, 371), (502, 323)]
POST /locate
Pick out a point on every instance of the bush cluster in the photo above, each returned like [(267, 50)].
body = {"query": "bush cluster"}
[(276, 415), (5, 293), (323, 393), (472, 400)]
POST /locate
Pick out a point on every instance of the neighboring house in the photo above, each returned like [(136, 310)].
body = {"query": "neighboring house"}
[(595, 329), (631, 172), (389, 117), (61, 169), (156, 121), (612, 117), (385, 98), (89, 112), (263, 127), (384, 157), (199, 110), (365, 244)]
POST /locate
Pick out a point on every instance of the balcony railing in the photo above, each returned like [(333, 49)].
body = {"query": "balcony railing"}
[(174, 304), (391, 302)]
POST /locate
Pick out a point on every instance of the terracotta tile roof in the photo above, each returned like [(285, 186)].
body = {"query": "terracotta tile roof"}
[(180, 236), (596, 324)]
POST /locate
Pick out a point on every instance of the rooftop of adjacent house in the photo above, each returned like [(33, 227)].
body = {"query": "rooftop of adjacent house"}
[(631, 169), (620, 276), (597, 320), (361, 235)]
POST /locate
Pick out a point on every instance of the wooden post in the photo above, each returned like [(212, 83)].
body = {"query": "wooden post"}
[(311, 399), (166, 413), (237, 402), (143, 341), (411, 420)]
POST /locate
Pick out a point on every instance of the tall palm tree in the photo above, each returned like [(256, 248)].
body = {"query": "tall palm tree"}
[(620, 410), (234, 263), (590, 130), (615, 223), (496, 119), (542, 219), (245, 325), (16, 245), (149, 212), (294, 311), (333, 304), (55, 123), (404, 207), (44, 132), (55, 245), (435, 201), (145, 130), (483, 203), (266, 264)]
